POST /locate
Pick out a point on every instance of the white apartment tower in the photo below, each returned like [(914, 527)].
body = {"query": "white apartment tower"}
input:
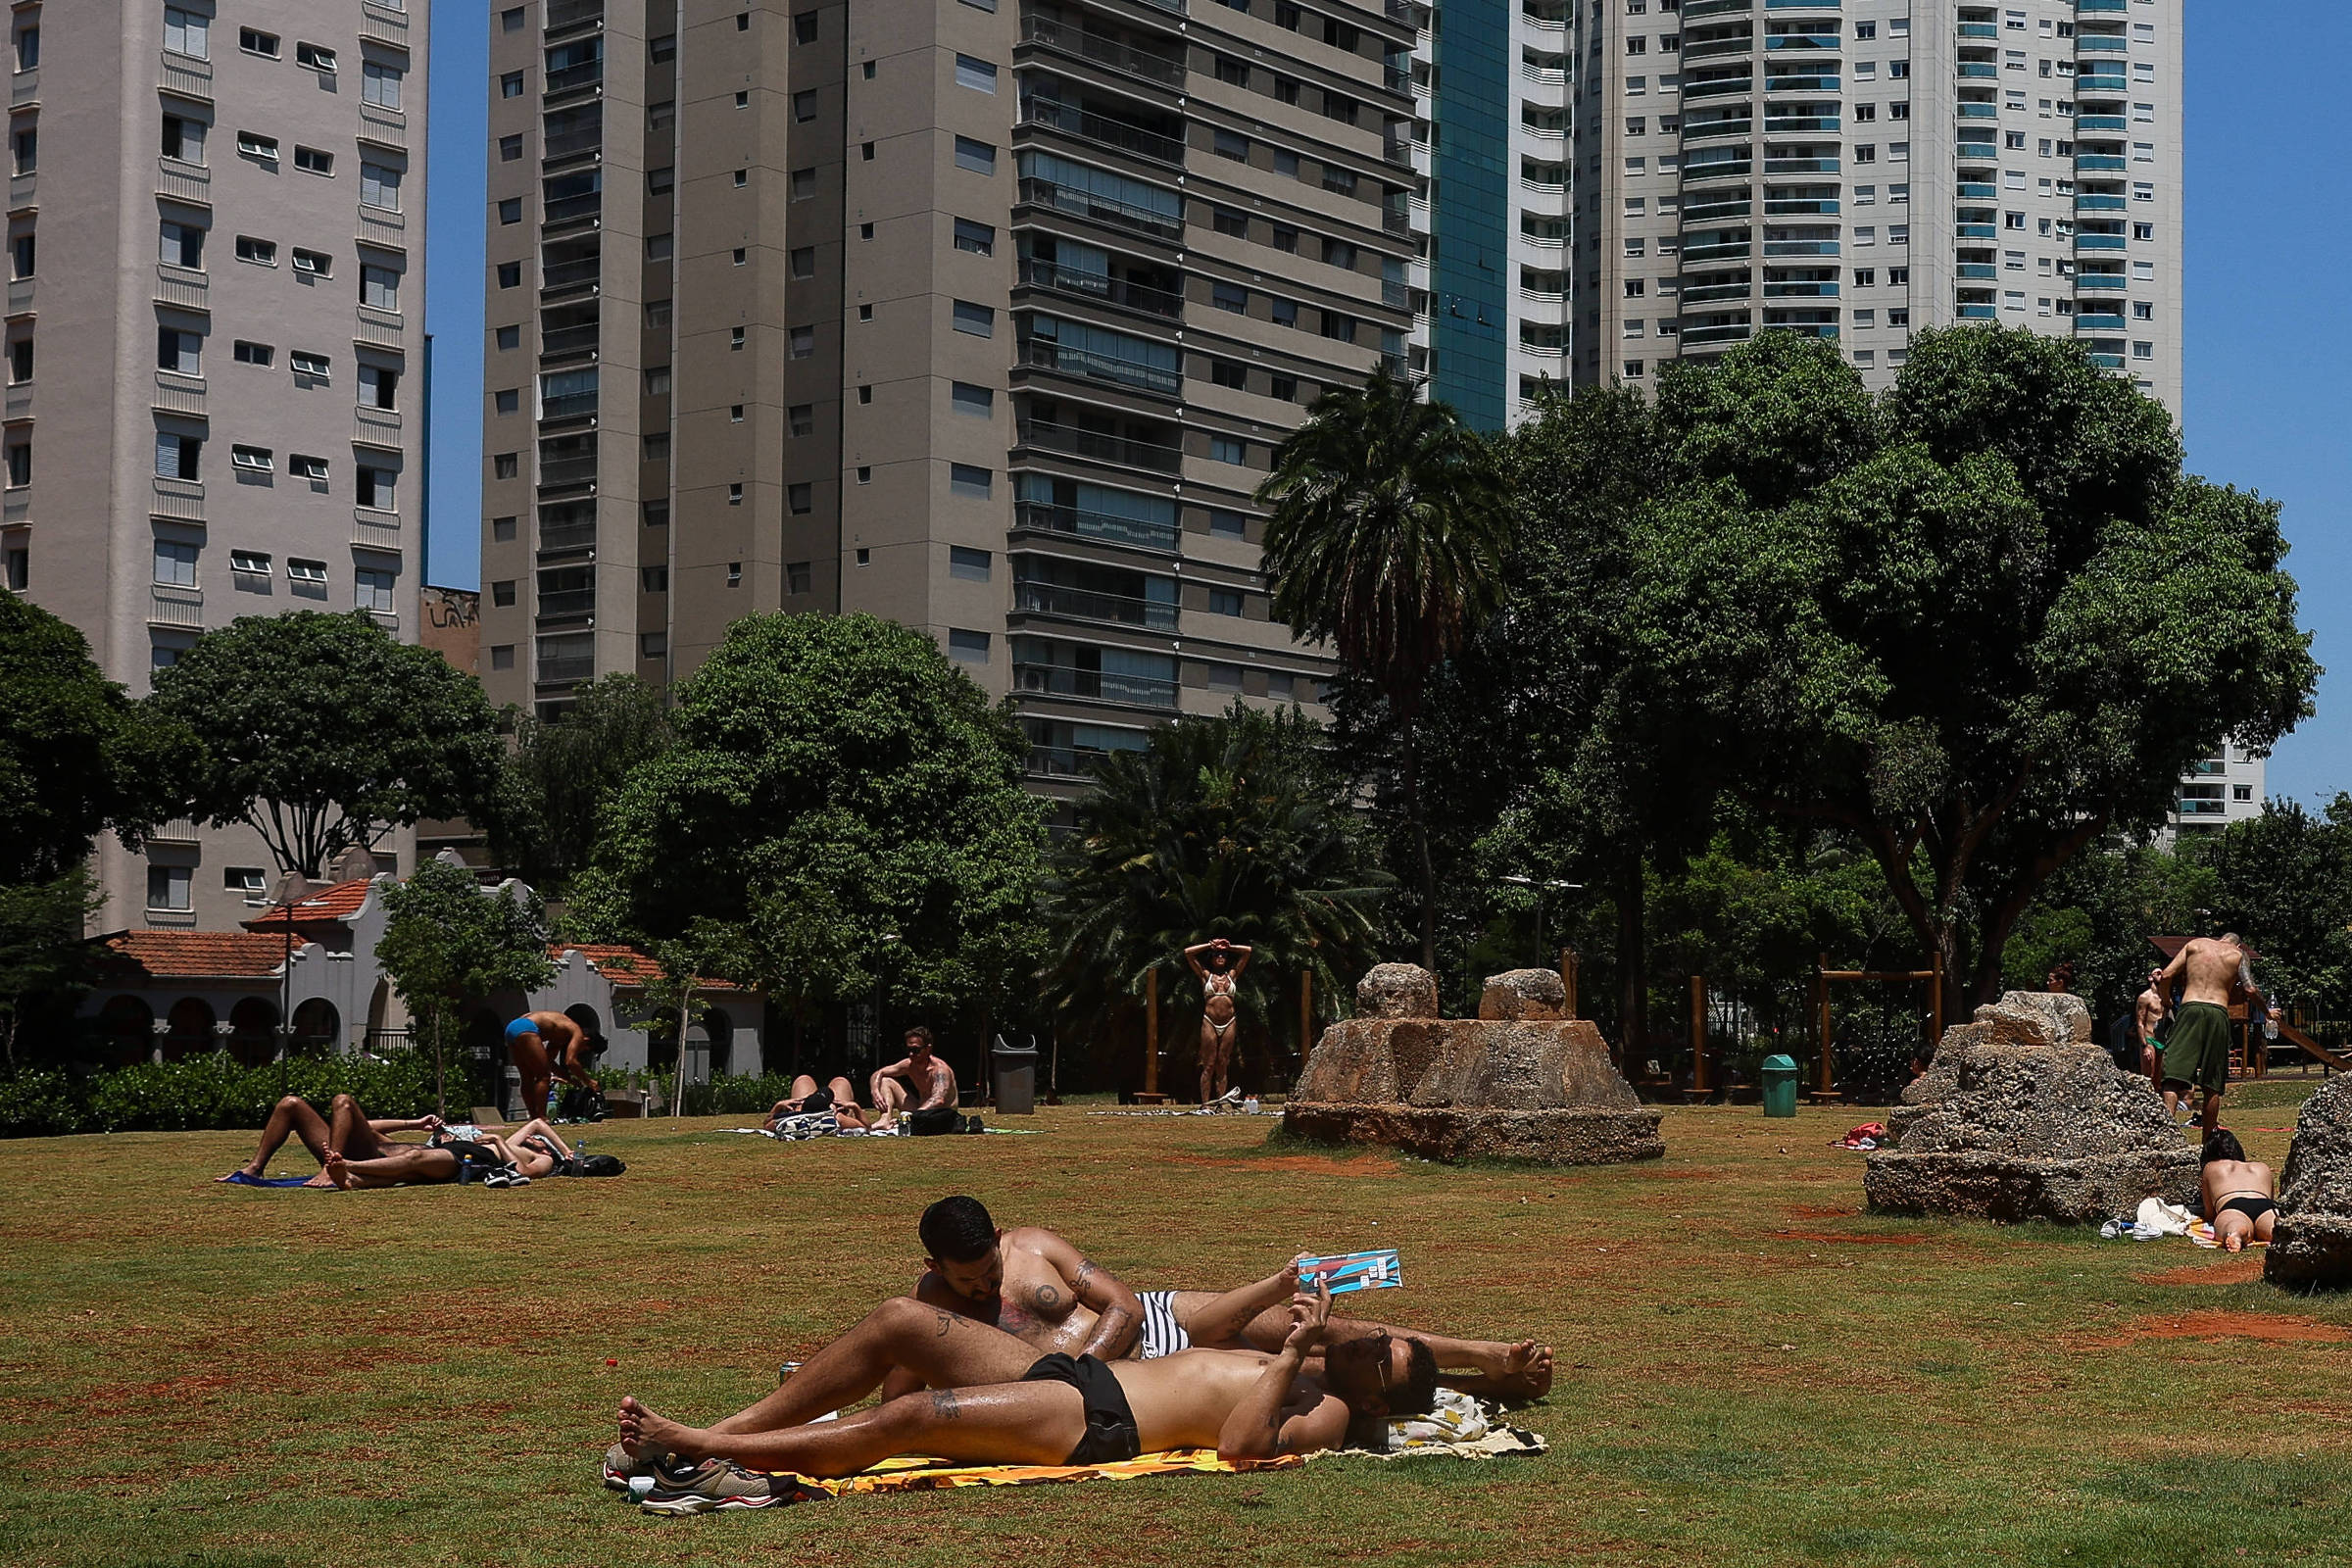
[(215, 345), (1683, 176)]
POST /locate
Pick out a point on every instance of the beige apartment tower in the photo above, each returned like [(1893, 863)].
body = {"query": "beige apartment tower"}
[(215, 345), (984, 315)]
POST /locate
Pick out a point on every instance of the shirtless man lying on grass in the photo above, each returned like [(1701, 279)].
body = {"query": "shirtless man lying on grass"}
[(352, 1150), (995, 1401), (1035, 1286)]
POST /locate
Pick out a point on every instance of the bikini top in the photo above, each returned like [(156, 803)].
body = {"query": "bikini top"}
[(1220, 985)]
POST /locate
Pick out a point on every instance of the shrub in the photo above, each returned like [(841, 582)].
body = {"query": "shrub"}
[(211, 1092)]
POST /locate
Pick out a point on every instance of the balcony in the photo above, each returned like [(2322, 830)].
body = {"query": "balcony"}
[(371, 529), (1800, 247), (1979, 111), (1732, 333), (1716, 48), (556, 276), (175, 285), (2099, 204), (1803, 165), (565, 474), (1089, 365), (1100, 286), (1975, 232), (1082, 603), (1699, 254), (572, 209), (1694, 10), (2098, 320), (2094, 83), (1093, 685), (566, 604), (387, 125), (1983, 271), (1804, 207), (1718, 88), (20, 295), (1707, 129), (1974, 312), (564, 669), (1718, 169), (562, 342), (382, 226), (1815, 291), (389, 620), (2100, 43), (2100, 242), (1971, 191), (1105, 210), (183, 183), (180, 500), (567, 406), (176, 606), (1101, 446), (565, 15), (380, 328), (19, 400), (1716, 211), (587, 73), (2094, 162), (1979, 29), (1103, 130), (1978, 71), (2098, 282), (1066, 761), (1108, 53), (1108, 527), (1698, 293), (188, 76), (383, 24), (1787, 122), (179, 394), (25, 87), (376, 428)]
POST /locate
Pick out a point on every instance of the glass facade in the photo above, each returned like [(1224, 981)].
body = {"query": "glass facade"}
[(1470, 215)]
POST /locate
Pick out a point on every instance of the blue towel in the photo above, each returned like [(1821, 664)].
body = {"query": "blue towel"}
[(240, 1179)]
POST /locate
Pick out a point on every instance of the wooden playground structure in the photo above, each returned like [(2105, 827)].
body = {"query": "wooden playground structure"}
[(1824, 1090)]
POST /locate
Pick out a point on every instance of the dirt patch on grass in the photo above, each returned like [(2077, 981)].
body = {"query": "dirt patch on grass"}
[(2273, 1328), (2243, 1270), (1853, 1239)]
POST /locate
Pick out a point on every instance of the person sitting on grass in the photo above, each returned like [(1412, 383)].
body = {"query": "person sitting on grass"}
[(994, 1400), (345, 1137), (808, 1099), (2238, 1193), (921, 1087), (1039, 1286)]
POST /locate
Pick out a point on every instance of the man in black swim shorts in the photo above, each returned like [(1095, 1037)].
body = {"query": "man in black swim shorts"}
[(1243, 1403), (808, 1099)]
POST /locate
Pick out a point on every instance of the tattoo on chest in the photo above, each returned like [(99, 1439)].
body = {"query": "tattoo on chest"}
[(1048, 1298)]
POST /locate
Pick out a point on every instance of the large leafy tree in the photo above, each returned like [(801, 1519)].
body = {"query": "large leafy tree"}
[(322, 732), (78, 756), (1228, 826), (44, 962), (564, 772), (447, 940), (842, 810), (1977, 625), (2284, 880), (1388, 536)]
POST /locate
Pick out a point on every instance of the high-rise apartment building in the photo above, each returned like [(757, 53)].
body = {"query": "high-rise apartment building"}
[(1681, 177), (984, 315), (215, 339)]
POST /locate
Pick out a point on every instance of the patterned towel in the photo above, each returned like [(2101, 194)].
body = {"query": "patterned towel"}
[(916, 1474)]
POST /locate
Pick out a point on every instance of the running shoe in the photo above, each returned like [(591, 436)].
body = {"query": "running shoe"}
[(655, 1465), (717, 1487)]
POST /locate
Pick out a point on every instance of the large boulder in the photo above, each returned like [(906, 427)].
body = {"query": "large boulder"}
[(1397, 991), (1523, 995), (2313, 1243), (2017, 1119), (1519, 1087)]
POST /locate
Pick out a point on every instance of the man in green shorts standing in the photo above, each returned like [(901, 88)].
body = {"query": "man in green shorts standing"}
[(2197, 1055)]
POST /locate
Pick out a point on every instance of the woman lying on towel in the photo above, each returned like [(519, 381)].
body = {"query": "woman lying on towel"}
[(352, 1149), (994, 1400)]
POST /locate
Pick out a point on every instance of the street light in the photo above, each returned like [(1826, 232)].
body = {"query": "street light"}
[(1541, 889)]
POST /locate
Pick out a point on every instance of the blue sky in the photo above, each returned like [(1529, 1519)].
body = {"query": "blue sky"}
[(2267, 407)]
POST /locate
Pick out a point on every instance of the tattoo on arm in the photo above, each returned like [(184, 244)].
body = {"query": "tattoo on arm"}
[(943, 1405), (946, 1321)]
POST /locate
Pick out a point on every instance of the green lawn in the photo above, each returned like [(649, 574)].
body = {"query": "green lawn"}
[(1751, 1370)]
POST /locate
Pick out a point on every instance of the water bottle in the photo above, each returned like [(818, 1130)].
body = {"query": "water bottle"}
[(1250, 1106)]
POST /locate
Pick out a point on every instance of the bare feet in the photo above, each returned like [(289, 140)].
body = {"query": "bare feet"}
[(1523, 1372), (338, 1173), (247, 1172), (642, 1431)]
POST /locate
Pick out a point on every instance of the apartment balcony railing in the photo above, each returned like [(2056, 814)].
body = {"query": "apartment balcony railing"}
[(564, 669), (562, 536), (1829, 41), (183, 181), (1810, 81), (1091, 127), (2098, 321), (1978, 71), (1709, 130), (1972, 191), (2100, 43), (2099, 161), (1983, 271), (569, 405), (1698, 10), (2099, 204), (568, 340), (1086, 363), (2198, 808), (1701, 336), (1715, 48), (1065, 762), (1100, 286), (2087, 7), (1974, 312), (1719, 169), (371, 529), (1979, 29), (1800, 247), (1108, 210), (2100, 242), (1103, 447), (1803, 165), (570, 275), (2113, 122), (2093, 81), (1698, 255), (565, 209), (1109, 528), (1082, 603), (587, 73), (1975, 232), (176, 606), (180, 499), (1979, 111), (379, 327), (1110, 53), (2098, 282), (1807, 207), (19, 400), (563, 14), (1093, 685), (25, 87), (179, 394), (1716, 211), (384, 24), (2108, 361), (563, 472), (173, 285), (1700, 293), (188, 77), (564, 603), (1818, 291), (1718, 88), (1787, 122)]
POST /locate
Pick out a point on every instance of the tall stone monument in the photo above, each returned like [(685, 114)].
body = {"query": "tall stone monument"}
[(1517, 1082)]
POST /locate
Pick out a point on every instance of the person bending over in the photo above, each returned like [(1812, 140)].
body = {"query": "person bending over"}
[(1037, 1285), (1063, 1409), (808, 1099), (2238, 1193), (921, 1087), (352, 1151), (2197, 1056), (544, 1046), (1219, 964)]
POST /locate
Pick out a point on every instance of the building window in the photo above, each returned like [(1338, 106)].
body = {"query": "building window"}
[(260, 252), (174, 563), (799, 499), (978, 238), (510, 275), (972, 565), (502, 595), (509, 85), (977, 156), (178, 456), (19, 463), (183, 140), (797, 576), (803, 104), (380, 84), (254, 41), (380, 288), (309, 367), (507, 401), (179, 245), (977, 75), (964, 479), (804, 27), (980, 320), (179, 352), (1228, 449), (1224, 601), (509, 211), (316, 57), (374, 487), (967, 647), (966, 398), (1227, 524), (188, 32), (168, 887), (1229, 221), (801, 342), (506, 465), (302, 468), (372, 589)]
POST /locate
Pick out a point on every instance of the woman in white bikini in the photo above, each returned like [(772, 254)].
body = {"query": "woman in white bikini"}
[(1219, 964)]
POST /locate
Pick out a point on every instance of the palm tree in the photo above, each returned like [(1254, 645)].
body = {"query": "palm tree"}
[(1225, 826), (1390, 522)]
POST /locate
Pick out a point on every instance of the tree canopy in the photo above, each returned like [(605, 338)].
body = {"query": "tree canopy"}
[(321, 731), (78, 756), (447, 940), (565, 772), (842, 809), (1975, 626)]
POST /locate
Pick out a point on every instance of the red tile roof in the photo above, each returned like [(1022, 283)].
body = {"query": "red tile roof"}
[(338, 903), (625, 966), (199, 955)]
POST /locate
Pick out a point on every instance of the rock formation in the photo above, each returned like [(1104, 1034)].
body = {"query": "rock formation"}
[(1518, 1082), (2313, 1245), (2019, 1117)]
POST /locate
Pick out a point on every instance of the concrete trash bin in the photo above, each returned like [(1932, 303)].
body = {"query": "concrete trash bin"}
[(1780, 1086), (1016, 1081)]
